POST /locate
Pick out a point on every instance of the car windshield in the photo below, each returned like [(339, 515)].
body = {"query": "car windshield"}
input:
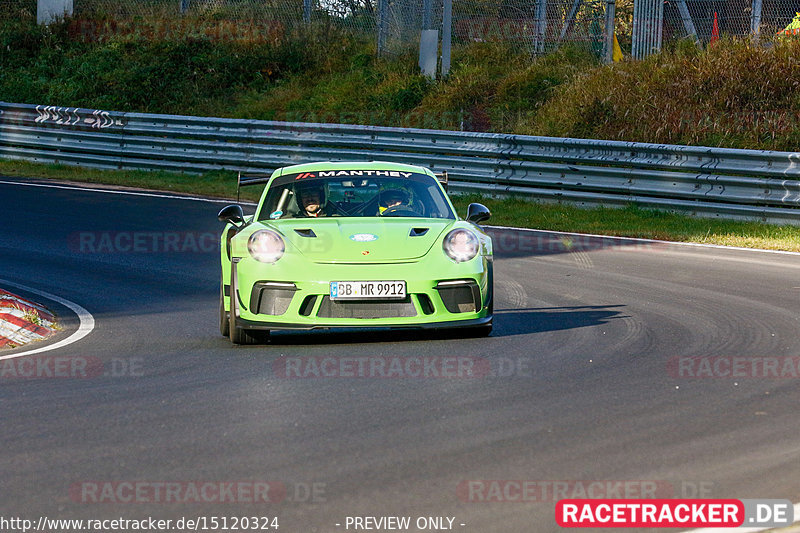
[(355, 193)]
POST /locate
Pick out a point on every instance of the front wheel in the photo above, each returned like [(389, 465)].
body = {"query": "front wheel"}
[(247, 336)]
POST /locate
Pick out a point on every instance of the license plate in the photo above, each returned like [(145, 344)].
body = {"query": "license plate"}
[(368, 290)]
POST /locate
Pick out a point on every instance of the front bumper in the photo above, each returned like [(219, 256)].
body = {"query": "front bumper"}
[(475, 322), (460, 295)]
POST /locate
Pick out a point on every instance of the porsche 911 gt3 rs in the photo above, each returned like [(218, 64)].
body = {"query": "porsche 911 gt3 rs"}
[(353, 245)]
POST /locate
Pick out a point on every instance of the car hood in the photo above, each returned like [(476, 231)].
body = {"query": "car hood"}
[(363, 240)]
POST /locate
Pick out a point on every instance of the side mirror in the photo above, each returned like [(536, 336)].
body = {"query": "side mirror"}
[(232, 214), (477, 213)]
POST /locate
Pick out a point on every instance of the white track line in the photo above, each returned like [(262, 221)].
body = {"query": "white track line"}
[(85, 327), (129, 193), (742, 529), (636, 239)]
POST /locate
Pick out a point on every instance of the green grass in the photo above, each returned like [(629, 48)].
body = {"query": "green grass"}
[(518, 212)]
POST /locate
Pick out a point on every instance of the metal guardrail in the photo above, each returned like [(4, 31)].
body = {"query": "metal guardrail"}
[(720, 182)]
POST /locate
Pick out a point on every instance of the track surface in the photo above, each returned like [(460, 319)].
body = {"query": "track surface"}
[(594, 329)]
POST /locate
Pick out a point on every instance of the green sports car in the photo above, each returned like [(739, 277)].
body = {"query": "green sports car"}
[(353, 245)]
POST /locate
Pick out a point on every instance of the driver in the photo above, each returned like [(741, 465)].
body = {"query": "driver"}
[(392, 198), (311, 199)]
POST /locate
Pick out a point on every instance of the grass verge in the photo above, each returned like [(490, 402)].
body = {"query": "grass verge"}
[(628, 222)]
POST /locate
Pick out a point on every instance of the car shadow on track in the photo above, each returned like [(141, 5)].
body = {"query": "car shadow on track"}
[(507, 322), (541, 319)]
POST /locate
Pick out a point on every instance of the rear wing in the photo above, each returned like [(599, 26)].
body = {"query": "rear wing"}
[(253, 179), (244, 180), (442, 177)]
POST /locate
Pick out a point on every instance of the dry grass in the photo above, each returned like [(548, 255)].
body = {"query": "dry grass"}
[(735, 94)]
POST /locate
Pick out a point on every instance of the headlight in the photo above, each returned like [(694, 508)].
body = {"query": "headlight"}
[(461, 245), (266, 246)]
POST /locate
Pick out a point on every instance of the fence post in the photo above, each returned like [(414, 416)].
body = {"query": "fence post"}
[(570, 22), (307, 11), (608, 44), (383, 25), (447, 35), (686, 17), (755, 18), (184, 6), (541, 26), (427, 14)]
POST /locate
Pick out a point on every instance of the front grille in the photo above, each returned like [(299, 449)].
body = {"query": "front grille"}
[(271, 298), (348, 309)]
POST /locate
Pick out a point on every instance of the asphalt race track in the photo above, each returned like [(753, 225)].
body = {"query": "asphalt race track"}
[(577, 384)]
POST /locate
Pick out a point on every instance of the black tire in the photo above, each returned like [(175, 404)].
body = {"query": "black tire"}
[(224, 319), (247, 337), (237, 334)]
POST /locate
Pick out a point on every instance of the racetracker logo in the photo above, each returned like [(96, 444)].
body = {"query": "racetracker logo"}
[(194, 492), (70, 367), (734, 367), (649, 513), (143, 242), (529, 491), (176, 492), (382, 367), (520, 243)]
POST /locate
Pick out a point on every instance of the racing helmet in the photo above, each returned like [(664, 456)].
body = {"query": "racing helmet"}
[(305, 188), (392, 197)]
